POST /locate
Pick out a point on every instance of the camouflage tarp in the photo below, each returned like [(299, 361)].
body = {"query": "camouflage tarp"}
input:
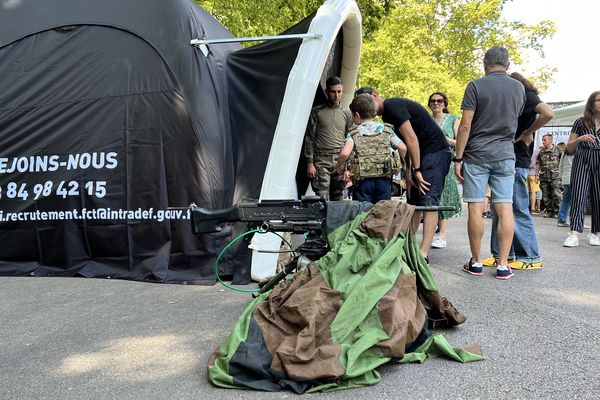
[(362, 305)]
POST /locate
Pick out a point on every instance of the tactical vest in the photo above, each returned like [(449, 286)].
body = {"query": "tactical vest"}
[(373, 156)]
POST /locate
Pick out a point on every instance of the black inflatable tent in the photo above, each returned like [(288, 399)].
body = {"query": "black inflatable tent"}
[(111, 124)]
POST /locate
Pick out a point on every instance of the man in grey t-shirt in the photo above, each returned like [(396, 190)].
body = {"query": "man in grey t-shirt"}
[(485, 154)]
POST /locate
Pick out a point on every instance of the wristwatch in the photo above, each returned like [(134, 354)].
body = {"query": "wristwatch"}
[(418, 169), (457, 159)]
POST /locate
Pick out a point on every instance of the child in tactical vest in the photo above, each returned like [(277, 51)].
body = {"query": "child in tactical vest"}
[(371, 145)]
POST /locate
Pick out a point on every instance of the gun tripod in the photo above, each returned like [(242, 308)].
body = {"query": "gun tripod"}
[(311, 250)]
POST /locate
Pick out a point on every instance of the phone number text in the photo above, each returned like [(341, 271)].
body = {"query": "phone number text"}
[(23, 191)]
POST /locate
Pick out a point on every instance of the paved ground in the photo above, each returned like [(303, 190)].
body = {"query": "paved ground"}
[(107, 339)]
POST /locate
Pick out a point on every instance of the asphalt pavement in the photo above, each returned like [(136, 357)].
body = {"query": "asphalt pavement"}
[(77, 338)]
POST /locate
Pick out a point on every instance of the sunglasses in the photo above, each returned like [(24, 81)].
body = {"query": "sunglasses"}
[(440, 101)]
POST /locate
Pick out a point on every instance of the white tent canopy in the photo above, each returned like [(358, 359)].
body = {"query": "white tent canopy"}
[(560, 126), (565, 116)]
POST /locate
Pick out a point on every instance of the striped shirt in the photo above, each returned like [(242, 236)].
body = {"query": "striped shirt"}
[(580, 129)]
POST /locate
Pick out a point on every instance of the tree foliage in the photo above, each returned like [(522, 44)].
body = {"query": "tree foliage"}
[(410, 48), (259, 17), (271, 17), (424, 46)]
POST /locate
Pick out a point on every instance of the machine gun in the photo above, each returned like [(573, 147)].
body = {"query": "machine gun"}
[(306, 216), (296, 216)]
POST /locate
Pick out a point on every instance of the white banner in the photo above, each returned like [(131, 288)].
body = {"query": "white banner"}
[(559, 134)]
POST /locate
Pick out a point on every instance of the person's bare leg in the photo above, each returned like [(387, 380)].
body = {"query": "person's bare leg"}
[(443, 224), (506, 230), (475, 229), (416, 221), (430, 220), (532, 202)]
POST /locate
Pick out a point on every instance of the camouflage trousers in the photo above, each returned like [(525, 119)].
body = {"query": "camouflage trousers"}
[(551, 194), (327, 184)]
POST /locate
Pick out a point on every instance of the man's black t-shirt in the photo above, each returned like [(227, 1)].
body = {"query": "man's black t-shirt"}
[(396, 111), (523, 152)]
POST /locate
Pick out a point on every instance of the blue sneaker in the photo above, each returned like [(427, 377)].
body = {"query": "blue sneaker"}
[(473, 268), (503, 272)]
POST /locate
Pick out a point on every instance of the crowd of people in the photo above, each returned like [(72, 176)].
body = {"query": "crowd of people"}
[(489, 150)]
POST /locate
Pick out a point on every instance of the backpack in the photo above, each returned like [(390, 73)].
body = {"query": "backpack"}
[(373, 156)]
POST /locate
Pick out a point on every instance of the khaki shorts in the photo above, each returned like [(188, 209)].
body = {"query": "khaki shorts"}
[(532, 184)]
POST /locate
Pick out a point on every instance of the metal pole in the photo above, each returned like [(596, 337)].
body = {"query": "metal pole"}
[(199, 42)]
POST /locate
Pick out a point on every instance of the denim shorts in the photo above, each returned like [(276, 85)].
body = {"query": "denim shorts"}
[(372, 190), (499, 175)]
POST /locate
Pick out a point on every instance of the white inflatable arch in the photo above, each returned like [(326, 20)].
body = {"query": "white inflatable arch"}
[(279, 181)]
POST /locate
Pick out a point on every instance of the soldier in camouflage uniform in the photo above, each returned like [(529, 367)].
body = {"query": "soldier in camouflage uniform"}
[(373, 163), (548, 159), (325, 133)]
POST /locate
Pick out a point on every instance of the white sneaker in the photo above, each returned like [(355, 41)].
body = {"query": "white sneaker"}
[(571, 241), (594, 240), (438, 243)]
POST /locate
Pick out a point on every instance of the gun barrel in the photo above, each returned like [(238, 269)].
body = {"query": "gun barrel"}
[(435, 208)]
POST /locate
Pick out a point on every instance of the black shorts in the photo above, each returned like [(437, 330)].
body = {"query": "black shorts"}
[(434, 168)]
